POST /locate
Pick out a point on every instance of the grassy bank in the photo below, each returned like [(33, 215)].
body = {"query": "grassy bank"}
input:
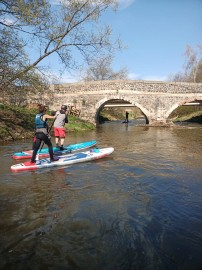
[(18, 123), (187, 114)]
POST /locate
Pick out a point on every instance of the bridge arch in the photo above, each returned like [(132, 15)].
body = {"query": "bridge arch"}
[(100, 105), (178, 104), (175, 106)]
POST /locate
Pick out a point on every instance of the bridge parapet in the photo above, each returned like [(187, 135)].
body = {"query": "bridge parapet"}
[(125, 85)]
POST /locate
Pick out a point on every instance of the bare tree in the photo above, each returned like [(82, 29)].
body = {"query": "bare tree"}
[(101, 69), (71, 27), (193, 66), (193, 62)]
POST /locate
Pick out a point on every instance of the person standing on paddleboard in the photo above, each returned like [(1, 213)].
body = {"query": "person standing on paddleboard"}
[(42, 134), (59, 127), (126, 120)]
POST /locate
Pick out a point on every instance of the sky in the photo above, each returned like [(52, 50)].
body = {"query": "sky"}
[(155, 32)]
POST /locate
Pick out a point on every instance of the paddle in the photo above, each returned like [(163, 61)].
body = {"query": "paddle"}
[(37, 156)]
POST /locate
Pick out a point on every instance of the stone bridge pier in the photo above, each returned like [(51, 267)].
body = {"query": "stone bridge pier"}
[(156, 100)]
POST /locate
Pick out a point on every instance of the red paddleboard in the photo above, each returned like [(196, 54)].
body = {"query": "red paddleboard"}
[(69, 159)]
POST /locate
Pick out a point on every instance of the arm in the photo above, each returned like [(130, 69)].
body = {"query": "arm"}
[(47, 116)]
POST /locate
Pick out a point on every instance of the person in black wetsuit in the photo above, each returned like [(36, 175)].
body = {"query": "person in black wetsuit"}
[(126, 120), (41, 133)]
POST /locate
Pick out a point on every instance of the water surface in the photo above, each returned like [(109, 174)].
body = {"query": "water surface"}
[(140, 208)]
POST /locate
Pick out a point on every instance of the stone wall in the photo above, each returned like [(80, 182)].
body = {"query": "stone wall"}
[(155, 99)]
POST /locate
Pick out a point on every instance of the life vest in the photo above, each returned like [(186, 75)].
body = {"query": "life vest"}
[(39, 122)]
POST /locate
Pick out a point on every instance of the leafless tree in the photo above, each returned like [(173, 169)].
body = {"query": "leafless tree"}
[(193, 66), (101, 69), (69, 29)]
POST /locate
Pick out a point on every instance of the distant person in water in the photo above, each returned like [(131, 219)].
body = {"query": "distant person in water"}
[(126, 120)]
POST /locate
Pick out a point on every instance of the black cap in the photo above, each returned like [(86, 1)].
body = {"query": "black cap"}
[(64, 107)]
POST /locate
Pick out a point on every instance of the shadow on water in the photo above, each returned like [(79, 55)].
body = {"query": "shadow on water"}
[(140, 208)]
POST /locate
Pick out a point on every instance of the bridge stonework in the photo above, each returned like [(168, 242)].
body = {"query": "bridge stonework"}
[(155, 99)]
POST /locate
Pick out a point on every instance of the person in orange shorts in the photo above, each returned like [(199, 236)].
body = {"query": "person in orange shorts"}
[(59, 127)]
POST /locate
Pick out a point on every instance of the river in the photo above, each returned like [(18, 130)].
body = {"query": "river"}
[(140, 208)]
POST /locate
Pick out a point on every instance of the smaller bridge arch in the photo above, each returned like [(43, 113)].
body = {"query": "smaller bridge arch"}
[(178, 104), (175, 106)]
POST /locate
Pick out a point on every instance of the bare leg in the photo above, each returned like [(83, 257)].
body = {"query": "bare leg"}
[(62, 141), (56, 140)]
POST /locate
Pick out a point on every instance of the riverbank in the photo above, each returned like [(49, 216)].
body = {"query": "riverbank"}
[(191, 114), (17, 123)]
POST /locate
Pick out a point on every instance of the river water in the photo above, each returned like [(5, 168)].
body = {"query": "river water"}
[(139, 208)]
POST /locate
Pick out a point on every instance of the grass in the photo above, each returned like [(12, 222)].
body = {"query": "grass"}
[(188, 114), (76, 124), (18, 123)]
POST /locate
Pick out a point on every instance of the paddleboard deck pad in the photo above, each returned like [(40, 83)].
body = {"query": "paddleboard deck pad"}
[(44, 152), (92, 154)]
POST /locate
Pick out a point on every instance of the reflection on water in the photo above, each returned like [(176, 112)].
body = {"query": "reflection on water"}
[(140, 208)]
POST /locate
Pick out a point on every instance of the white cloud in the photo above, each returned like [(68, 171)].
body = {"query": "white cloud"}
[(154, 78), (135, 76), (7, 21), (125, 3)]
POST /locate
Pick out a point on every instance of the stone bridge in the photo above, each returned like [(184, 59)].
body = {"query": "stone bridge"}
[(155, 99)]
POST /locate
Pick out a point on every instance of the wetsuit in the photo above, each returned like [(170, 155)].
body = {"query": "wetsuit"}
[(41, 134)]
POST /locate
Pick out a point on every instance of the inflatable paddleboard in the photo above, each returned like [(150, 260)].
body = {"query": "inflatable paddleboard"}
[(44, 151), (69, 159)]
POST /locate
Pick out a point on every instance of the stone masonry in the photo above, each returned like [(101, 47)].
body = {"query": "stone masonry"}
[(155, 99)]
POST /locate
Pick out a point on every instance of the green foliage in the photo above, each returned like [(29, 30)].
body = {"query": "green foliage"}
[(184, 110), (187, 113), (3, 133), (21, 116), (18, 123), (77, 124)]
